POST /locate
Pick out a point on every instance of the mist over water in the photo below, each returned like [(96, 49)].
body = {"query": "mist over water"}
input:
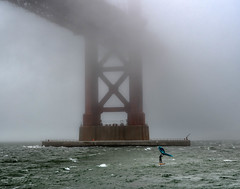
[(198, 76), (190, 78)]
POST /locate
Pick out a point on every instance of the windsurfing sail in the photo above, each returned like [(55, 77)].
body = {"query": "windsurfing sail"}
[(163, 151)]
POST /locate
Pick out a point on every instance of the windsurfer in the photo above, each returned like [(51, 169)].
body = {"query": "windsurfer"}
[(162, 153)]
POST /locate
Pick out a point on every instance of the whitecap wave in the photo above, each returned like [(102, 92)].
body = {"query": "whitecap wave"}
[(228, 160), (147, 149), (102, 165), (93, 154), (35, 146), (73, 160)]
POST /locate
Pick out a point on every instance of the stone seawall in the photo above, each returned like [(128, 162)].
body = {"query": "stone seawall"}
[(117, 143)]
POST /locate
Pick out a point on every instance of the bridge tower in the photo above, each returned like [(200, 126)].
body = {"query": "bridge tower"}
[(131, 68)]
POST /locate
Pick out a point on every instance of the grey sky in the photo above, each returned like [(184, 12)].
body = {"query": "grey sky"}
[(191, 87)]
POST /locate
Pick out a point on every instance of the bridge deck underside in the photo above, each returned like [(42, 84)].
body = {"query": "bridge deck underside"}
[(107, 24)]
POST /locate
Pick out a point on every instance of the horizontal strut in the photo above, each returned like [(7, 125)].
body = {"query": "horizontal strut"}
[(113, 109), (113, 69)]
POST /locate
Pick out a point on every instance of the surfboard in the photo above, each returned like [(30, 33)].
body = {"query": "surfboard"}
[(161, 164)]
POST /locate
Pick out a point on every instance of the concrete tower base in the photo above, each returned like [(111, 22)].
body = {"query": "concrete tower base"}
[(103, 133)]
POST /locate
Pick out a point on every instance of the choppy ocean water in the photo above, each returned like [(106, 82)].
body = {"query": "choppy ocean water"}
[(209, 164)]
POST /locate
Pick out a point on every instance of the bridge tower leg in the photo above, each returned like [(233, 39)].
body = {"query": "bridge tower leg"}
[(92, 128)]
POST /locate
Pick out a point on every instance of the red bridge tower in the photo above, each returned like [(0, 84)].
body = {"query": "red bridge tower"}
[(92, 128)]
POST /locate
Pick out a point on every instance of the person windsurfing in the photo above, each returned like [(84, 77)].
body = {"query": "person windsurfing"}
[(162, 153)]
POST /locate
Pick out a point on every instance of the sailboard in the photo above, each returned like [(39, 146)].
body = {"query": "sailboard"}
[(163, 151), (168, 154)]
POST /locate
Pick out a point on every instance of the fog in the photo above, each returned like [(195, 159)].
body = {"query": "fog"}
[(191, 79)]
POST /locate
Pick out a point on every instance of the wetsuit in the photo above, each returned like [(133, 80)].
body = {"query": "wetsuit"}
[(160, 158)]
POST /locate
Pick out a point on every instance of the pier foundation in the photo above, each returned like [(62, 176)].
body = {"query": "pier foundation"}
[(102, 133)]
